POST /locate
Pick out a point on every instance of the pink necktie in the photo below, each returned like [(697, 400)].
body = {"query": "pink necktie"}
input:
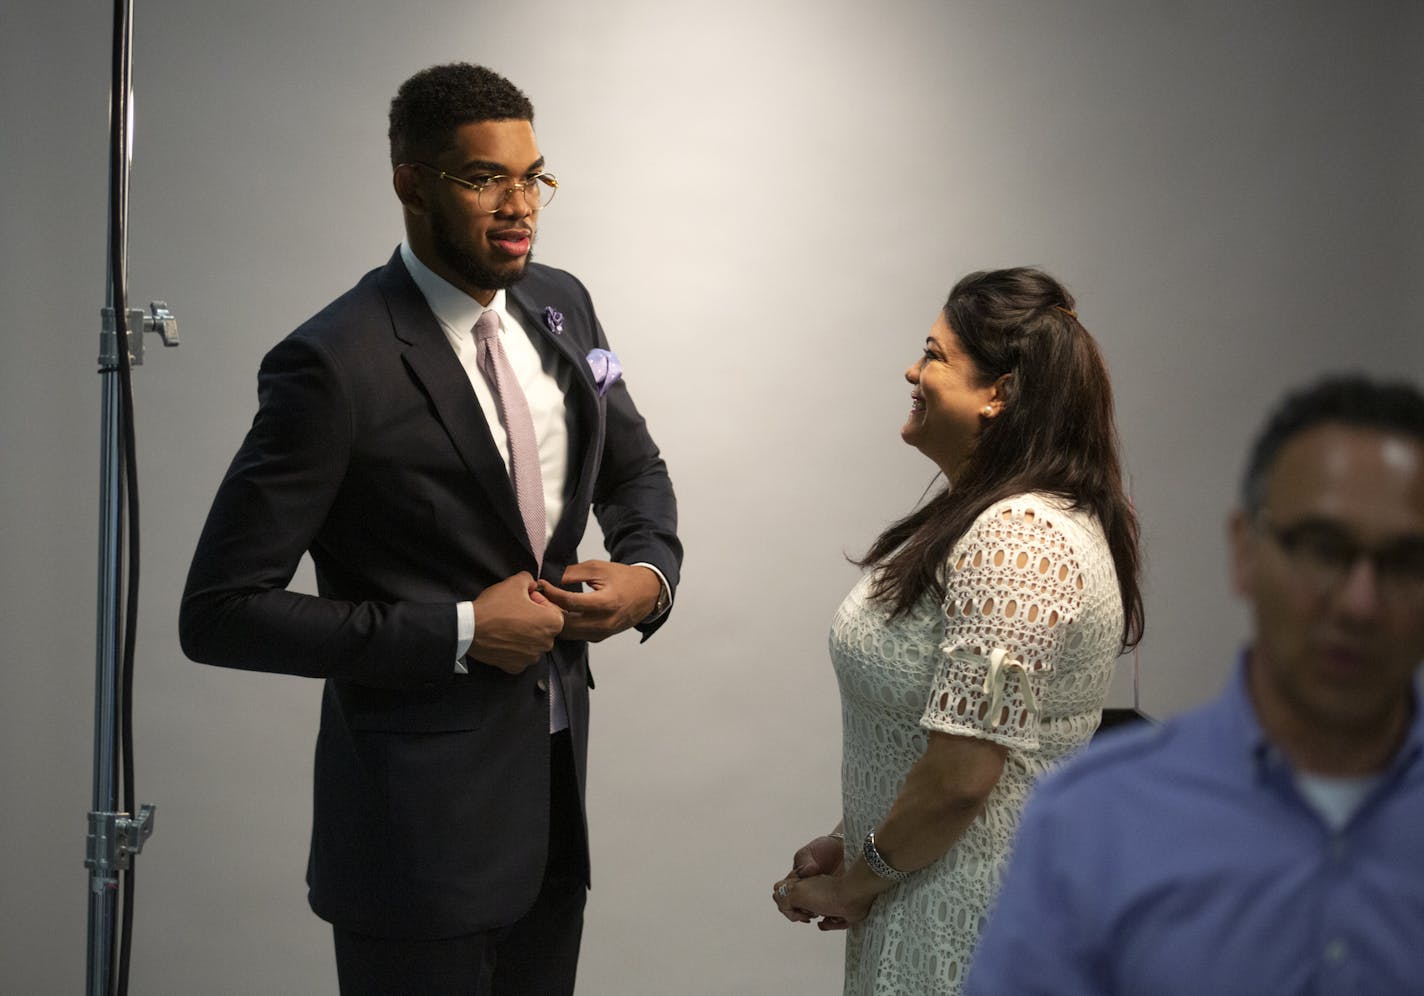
[(518, 426), (523, 462)]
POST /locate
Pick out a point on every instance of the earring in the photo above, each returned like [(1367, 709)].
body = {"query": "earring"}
[(988, 411)]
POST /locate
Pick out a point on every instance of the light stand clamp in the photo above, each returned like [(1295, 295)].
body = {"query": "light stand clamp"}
[(114, 838), (159, 320)]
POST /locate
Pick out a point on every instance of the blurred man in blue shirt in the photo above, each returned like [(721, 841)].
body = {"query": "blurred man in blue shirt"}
[(1272, 841)]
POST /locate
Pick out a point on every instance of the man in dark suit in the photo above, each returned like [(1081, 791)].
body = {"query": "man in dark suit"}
[(436, 437)]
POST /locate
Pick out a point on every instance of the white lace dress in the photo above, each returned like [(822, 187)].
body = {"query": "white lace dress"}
[(1020, 652)]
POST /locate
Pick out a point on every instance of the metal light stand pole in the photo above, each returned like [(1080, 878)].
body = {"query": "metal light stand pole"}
[(115, 837)]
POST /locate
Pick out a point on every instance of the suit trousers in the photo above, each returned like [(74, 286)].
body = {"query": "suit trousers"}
[(537, 955)]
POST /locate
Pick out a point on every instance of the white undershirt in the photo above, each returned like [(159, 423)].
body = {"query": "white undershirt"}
[(1335, 798)]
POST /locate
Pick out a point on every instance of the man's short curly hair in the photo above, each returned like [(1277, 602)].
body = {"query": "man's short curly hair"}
[(434, 102), (1388, 406)]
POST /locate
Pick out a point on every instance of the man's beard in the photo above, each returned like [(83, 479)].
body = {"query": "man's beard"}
[(468, 266)]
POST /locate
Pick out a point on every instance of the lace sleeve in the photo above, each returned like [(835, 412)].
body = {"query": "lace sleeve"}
[(1014, 587)]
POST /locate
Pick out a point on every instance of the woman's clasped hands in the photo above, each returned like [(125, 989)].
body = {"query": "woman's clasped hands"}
[(815, 889)]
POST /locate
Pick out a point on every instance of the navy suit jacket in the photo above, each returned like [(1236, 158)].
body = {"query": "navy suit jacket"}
[(370, 450)]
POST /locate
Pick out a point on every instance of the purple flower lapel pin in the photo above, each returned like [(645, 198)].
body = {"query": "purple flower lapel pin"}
[(554, 320), (606, 369)]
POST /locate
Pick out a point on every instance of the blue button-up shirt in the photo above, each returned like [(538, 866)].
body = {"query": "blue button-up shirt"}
[(1182, 859)]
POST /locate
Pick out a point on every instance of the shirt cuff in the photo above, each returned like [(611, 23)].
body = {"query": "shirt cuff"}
[(664, 596), (464, 634)]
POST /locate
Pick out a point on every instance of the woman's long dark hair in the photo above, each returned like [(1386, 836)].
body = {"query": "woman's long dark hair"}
[(1055, 434)]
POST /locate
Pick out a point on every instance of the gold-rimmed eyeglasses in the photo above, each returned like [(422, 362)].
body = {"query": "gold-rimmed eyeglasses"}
[(492, 192)]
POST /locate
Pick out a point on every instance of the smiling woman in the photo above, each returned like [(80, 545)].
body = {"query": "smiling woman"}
[(950, 400), (976, 651)]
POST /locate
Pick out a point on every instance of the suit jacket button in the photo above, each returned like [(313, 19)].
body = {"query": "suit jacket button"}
[(542, 684)]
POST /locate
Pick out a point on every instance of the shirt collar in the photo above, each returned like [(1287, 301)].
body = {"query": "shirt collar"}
[(1240, 715), (454, 309), (1413, 745), (1243, 725)]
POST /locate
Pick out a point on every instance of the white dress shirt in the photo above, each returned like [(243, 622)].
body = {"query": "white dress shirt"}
[(544, 390)]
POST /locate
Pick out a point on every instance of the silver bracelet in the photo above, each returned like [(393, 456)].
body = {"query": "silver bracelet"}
[(879, 865), (836, 835)]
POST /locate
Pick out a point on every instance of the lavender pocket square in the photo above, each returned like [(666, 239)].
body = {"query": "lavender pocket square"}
[(606, 369)]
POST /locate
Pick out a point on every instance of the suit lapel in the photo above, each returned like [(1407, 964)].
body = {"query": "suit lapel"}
[(582, 400), (532, 317), (432, 361)]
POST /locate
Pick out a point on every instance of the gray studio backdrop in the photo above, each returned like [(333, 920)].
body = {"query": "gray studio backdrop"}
[(769, 201)]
